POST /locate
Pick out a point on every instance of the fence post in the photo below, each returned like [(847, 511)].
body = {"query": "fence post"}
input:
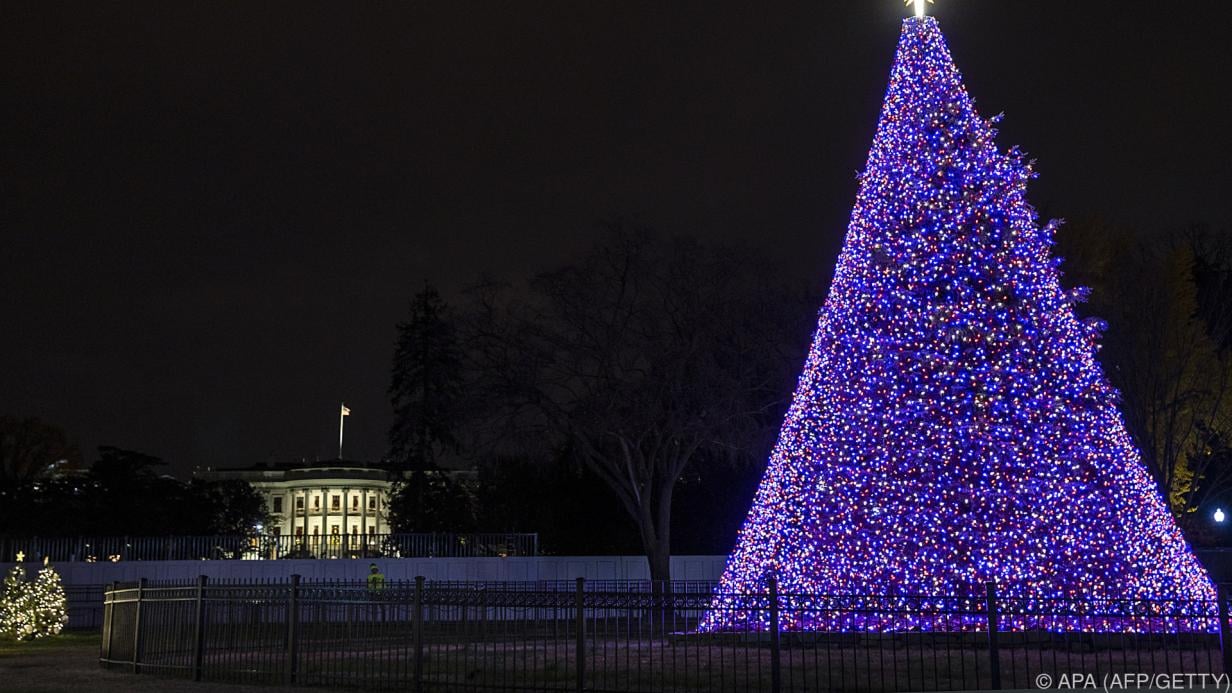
[(994, 655), (137, 628), (776, 665), (1225, 633), (293, 629), (108, 609), (579, 607), (418, 622), (199, 629)]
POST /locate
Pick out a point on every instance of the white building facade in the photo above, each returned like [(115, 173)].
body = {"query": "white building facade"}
[(320, 503)]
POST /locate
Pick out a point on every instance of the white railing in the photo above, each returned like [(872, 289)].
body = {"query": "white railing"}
[(268, 547)]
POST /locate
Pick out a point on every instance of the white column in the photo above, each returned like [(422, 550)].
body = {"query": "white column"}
[(378, 511), (346, 517), (304, 538), (324, 522)]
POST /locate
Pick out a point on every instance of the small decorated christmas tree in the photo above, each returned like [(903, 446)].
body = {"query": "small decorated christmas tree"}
[(32, 610), (16, 616), (48, 603)]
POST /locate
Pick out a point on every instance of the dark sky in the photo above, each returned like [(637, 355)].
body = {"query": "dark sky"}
[(213, 214)]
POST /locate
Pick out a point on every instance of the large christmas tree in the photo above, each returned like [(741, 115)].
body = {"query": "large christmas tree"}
[(952, 425)]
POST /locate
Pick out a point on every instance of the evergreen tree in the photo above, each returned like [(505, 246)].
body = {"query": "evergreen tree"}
[(16, 618), (425, 384), (425, 390), (32, 610), (48, 603), (952, 425)]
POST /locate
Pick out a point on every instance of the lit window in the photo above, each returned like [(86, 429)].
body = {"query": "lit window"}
[(372, 503), (335, 503)]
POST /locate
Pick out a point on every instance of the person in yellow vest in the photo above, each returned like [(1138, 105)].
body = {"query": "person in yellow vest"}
[(376, 585), (376, 581)]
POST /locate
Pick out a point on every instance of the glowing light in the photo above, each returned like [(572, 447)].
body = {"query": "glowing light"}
[(951, 425), (1219, 516), (32, 610), (919, 6)]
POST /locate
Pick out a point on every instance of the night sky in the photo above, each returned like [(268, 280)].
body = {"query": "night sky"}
[(215, 213)]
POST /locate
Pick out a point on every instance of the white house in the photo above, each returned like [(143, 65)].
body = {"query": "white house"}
[(309, 500)]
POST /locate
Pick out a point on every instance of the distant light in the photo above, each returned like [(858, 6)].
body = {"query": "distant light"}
[(1219, 515), (260, 528)]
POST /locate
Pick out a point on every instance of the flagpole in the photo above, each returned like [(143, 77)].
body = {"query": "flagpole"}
[(341, 425)]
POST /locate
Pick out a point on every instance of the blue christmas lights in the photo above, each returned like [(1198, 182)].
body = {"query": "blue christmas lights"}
[(951, 426)]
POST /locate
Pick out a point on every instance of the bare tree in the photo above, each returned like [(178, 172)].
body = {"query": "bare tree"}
[(1166, 351), (31, 449), (637, 358)]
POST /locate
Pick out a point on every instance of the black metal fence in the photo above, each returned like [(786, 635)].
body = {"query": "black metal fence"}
[(638, 636), (269, 547), (85, 606)]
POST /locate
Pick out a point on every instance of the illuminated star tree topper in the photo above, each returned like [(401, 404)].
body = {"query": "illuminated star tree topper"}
[(952, 426), (919, 6)]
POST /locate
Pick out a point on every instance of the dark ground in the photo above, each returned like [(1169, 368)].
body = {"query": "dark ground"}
[(69, 662)]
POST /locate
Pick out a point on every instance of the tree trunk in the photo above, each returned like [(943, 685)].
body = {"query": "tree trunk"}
[(660, 557), (658, 546), (654, 520), (662, 614)]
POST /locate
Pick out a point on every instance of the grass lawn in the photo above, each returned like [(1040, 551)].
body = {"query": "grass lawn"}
[(69, 640), (68, 663)]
